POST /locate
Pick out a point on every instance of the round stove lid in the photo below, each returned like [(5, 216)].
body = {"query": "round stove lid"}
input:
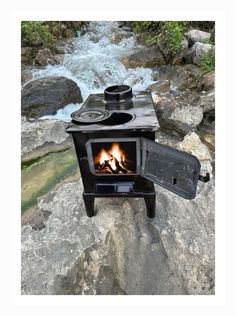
[(90, 115)]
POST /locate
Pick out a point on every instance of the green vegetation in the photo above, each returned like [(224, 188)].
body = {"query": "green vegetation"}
[(36, 33), (142, 26), (167, 34), (172, 34), (45, 33), (208, 62)]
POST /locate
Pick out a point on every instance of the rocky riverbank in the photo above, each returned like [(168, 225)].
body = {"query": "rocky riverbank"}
[(120, 250)]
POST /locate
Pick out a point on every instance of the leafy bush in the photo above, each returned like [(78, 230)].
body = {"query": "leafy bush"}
[(35, 33), (208, 62), (172, 34), (166, 33), (143, 26)]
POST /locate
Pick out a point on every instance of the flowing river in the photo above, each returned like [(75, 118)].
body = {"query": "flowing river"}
[(95, 63)]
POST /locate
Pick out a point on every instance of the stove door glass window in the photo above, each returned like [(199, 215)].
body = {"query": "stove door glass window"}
[(119, 156)]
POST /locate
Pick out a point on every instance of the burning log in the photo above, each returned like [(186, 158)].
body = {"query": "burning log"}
[(112, 161)]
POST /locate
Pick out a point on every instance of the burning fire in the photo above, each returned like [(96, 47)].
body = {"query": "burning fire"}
[(112, 161)]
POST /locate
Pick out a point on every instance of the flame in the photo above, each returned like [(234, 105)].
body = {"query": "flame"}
[(115, 151), (112, 160), (103, 155)]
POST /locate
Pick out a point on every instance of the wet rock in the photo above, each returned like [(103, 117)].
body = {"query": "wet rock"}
[(44, 96), (195, 35), (120, 36), (159, 87), (120, 250), (44, 57), (207, 82), (40, 137), (146, 57), (196, 52), (66, 46), (42, 175), (193, 145)]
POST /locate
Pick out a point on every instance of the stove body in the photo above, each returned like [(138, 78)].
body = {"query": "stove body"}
[(114, 138)]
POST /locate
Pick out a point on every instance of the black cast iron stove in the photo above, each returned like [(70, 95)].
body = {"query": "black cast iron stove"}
[(114, 138)]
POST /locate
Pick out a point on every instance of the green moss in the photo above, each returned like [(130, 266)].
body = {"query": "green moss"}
[(42, 175)]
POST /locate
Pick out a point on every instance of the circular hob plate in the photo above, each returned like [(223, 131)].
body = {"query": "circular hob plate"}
[(90, 116)]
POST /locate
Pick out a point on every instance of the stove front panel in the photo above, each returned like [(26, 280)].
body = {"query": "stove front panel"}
[(114, 156)]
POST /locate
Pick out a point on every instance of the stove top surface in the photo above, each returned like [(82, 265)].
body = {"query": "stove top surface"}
[(97, 114)]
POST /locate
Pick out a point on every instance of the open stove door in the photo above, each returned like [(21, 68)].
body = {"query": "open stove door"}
[(172, 169)]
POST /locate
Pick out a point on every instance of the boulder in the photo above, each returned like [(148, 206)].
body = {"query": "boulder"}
[(195, 35), (159, 87), (41, 137), (193, 145), (145, 57), (196, 52), (207, 101), (44, 57), (207, 82), (185, 78), (120, 250), (44, 96), (177, 114), (181, 77)]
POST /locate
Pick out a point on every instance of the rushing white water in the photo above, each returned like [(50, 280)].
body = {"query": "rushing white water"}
[(96, 64)]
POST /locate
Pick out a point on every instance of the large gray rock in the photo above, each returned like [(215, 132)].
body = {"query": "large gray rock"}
[(193, 145), (195, 35), (41, 137), (44, 57), (44, 96), (195, 54), (120, 250), (181, 77), (207, 101), (145, 57), (177, 114)]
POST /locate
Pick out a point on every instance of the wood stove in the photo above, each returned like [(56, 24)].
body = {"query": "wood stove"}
[(114, 138)]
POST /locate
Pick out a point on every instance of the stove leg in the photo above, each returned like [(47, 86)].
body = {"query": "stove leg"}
[(89, 205), (150, 201)]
